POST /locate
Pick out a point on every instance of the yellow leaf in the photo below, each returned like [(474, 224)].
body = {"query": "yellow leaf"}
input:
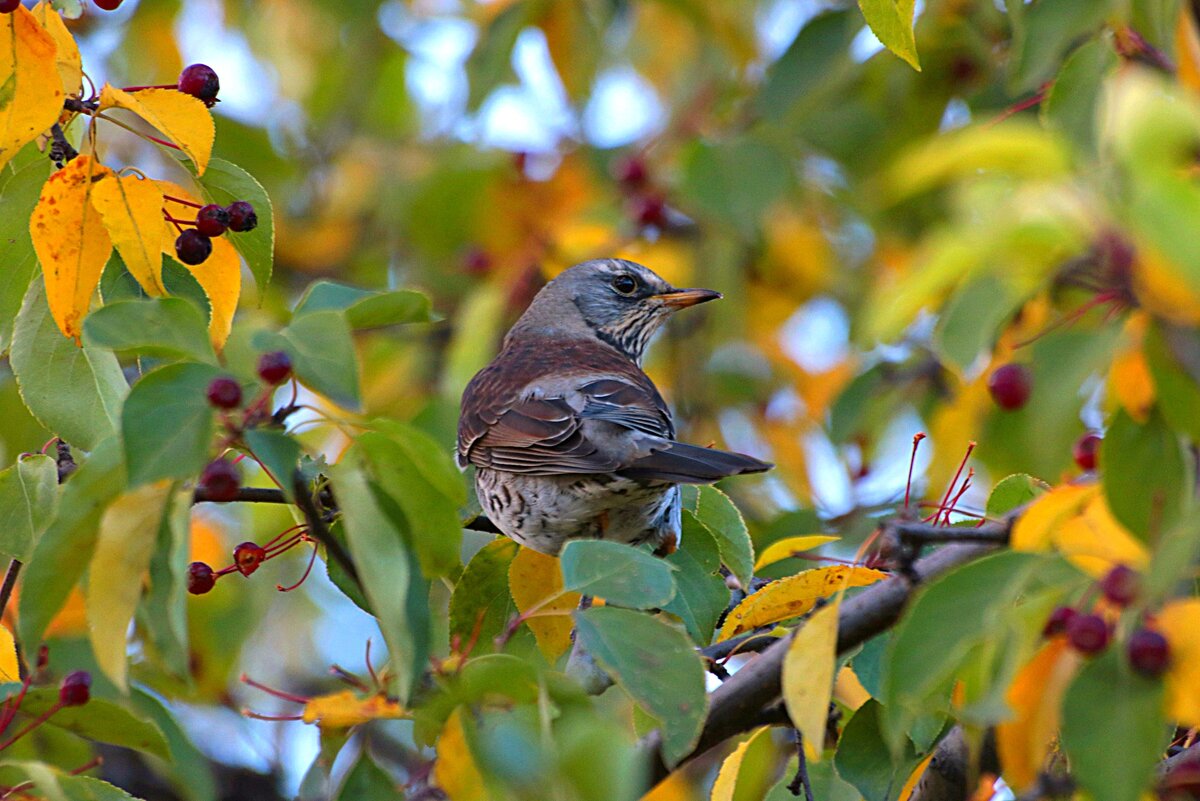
[(10, 671), (1074, 519), (906, 791), (124, 545), (1129, 379), (848, 690), (344, 709), (184, 119), (727, 777), (676, 787), (808, 677), (455, 771), (794, 596), (786, 548), (220, 275), (1035, 528), (892, 23), (71, 242), (1035, 698), (66, 58), (131, 209), (1187, 49), (532, 578), (1162, 289), (1179, 622), (31, 97)]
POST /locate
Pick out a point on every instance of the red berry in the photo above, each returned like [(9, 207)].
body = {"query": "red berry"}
[(43, 657), (1120, 585), (242, 217), (108, 5), (200, 578), (1010, 386), (649, 210), (274, 367), (192, 247), (248, 556), (224, 393), (1149, 653), (1088, 634), (631, 171), (75, 688), (200, 81), (9, 6), (220, 480), (477, 262), (1058, 620), (212, 220), (1085, 451)]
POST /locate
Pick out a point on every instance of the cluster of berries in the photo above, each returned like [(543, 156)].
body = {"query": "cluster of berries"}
[(246, 558), (1089, 633), (194, 245), (646, 204)]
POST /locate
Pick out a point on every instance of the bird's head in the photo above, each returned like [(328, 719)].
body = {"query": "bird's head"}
[(623, 303)]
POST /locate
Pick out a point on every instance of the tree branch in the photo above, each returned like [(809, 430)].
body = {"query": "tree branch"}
[(737, 703), (317, 527)]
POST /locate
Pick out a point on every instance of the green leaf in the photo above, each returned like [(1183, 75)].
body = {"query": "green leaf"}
[(59, 786), (167, 423), (190, 771), (1178, 393), (864, 760), (971, 320), (28, 499), (1113, 730), (1012, 492), (489, 64), (826, 784), (322, 353), (1073, 100), (366, 781), (65, 549), (892, 23), (656, 664), (225, 183), (819, 53), (481, 600), (618, 573), (717, 513), (735, 183), (278, 453), (385, 570), (365, 308), (1048, 31), (99, 719), (171, 328), (18, 195), (163, 610), (46, 364), (701, 594), (1146, 474)]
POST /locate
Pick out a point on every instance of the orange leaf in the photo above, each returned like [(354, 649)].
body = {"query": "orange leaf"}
[(66, 59), (675, 787), (1129, 379), (533, 577), (10, 671), (344, 709), (808, 677), (131, 209), (220, 275), (1179, 622), (1036, 699), (455, 771), (1187, 49), (184, 120), (1161, 286), (848, 690), (70, 241), (794, 596), (906, 791), (1075, 521), (31, 97)]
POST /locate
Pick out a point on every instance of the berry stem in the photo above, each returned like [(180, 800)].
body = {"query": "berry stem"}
[(33, 724), (311, 561), (912, 460), (150, 86), (953, 482), (131, 129), (286, 696), (176, 220), (182, 201)]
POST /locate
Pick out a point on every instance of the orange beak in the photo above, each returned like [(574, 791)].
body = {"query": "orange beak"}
[(682, 298)]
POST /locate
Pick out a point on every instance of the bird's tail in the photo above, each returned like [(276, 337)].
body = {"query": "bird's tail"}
[(691, 464)]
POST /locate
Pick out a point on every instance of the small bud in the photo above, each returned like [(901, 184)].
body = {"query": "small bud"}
[(75, 688)]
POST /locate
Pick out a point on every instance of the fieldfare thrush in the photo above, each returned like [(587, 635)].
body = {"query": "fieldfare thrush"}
[(569, 438)]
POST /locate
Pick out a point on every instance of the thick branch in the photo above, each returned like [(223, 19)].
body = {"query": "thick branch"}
[(736, 704)]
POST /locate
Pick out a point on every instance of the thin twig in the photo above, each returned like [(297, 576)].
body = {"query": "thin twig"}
[(318, 529), (10, 582), (801, 778)]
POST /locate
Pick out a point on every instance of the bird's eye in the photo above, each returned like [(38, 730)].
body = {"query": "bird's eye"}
[(625, 284)]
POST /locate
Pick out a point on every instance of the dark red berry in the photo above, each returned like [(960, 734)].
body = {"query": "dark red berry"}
[(212, 220), (224, 393), (1088, 634), (1058, 620), (1010, 386), (248, 556), (1149, 653), (1120, 585), (200, 81), (200, 578), (9, 6), (631, 171), (649, 210), (1085, 451), (108, 5), (477, 262), (242, 217), (75, 689), (220, 480), (43, 657), (274, 367), (192, 247), (1115, 255)]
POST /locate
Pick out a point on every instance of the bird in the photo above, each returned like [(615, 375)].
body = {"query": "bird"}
[(569, 438)]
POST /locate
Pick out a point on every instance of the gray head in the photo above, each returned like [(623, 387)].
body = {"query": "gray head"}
[(620, 302)]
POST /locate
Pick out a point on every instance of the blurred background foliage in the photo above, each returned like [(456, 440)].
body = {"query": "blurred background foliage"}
[(770, 149)]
